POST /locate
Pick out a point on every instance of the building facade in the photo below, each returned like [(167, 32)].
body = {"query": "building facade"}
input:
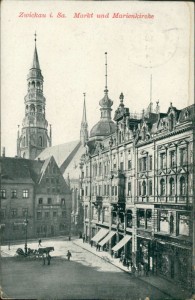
[(137, 186), (35, 199)]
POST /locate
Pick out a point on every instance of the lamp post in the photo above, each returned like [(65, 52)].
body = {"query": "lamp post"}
[(26, 227)]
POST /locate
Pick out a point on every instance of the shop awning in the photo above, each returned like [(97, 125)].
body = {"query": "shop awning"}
[(122, 243), (107, 238), (100, 235)]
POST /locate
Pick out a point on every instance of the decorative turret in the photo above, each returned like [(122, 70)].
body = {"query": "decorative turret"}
[(34, 136), (105, 126), (84, 125)]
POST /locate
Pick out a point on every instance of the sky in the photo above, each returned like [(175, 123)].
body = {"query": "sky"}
[(72, 59)]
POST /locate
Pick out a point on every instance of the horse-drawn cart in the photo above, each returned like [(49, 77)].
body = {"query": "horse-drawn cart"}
[(34, 253)]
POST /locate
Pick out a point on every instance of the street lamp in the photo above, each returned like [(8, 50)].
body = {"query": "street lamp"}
[(26, 226)]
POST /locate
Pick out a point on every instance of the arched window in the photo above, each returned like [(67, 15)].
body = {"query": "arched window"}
[(150, 187), (32, 108), (33, 84), (144, 188), (182, 186), (172, 186), (162, 187), (38, 84), (40, 141)]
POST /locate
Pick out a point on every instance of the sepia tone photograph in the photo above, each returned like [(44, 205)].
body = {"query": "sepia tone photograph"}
[(97, 197)]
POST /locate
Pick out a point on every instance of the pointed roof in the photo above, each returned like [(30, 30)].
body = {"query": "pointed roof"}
[(35, 64), (84, 119)]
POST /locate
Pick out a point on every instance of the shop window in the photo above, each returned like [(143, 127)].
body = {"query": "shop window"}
[(184, 225), (3, 194), (141, 218), (129, 219), (162, 187), (14, 194), (148, 218), (25, 194), (172, 186), (164, 221), (182, 186)]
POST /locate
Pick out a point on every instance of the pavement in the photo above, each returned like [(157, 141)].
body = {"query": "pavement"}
[(158, 282), (168, 288)]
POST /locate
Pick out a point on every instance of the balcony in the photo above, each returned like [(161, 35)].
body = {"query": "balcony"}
[(117, 199), (181, 199)]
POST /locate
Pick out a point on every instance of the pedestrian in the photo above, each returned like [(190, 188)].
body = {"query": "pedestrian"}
[(39, 245), (69, 238), (44, 257), (83, 238), (97, 247), (91, 243), (68, 255), (25, 249), (48, 259)]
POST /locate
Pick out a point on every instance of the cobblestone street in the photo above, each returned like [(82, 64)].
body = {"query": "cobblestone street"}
[(86, 276)]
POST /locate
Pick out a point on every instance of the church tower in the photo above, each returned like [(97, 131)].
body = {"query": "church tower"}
[(84, 126), (34, 135)]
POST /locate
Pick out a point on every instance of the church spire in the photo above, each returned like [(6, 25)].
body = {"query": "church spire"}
[(34, 136), (35, 64), (84, 125)]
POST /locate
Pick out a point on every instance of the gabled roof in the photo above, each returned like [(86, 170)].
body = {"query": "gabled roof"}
[(20, 169), (60, 152)]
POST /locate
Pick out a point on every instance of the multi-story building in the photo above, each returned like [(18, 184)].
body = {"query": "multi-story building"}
[(137, 187), (34, 197)]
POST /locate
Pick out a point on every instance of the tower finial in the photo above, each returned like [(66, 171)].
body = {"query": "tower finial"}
[(106, 74), (35, 37)]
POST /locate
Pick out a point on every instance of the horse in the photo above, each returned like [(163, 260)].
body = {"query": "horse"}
[(45, 250)]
